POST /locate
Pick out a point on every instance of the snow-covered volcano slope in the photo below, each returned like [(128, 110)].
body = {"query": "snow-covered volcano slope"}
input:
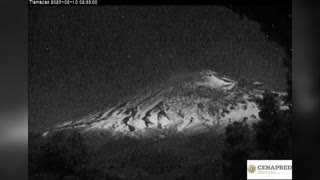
[(187, 103)]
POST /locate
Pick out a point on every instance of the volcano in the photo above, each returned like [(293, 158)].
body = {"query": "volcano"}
[(187, 103)]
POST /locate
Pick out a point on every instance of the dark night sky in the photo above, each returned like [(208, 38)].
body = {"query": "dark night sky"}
[(81, 58)]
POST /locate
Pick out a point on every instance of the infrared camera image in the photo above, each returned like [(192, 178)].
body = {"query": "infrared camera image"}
[(158, 92)]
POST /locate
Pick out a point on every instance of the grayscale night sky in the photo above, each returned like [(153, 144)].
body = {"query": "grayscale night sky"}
[(83, 58)]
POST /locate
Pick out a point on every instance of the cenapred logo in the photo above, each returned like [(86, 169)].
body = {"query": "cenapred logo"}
[(269, 169), (251, 168)]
